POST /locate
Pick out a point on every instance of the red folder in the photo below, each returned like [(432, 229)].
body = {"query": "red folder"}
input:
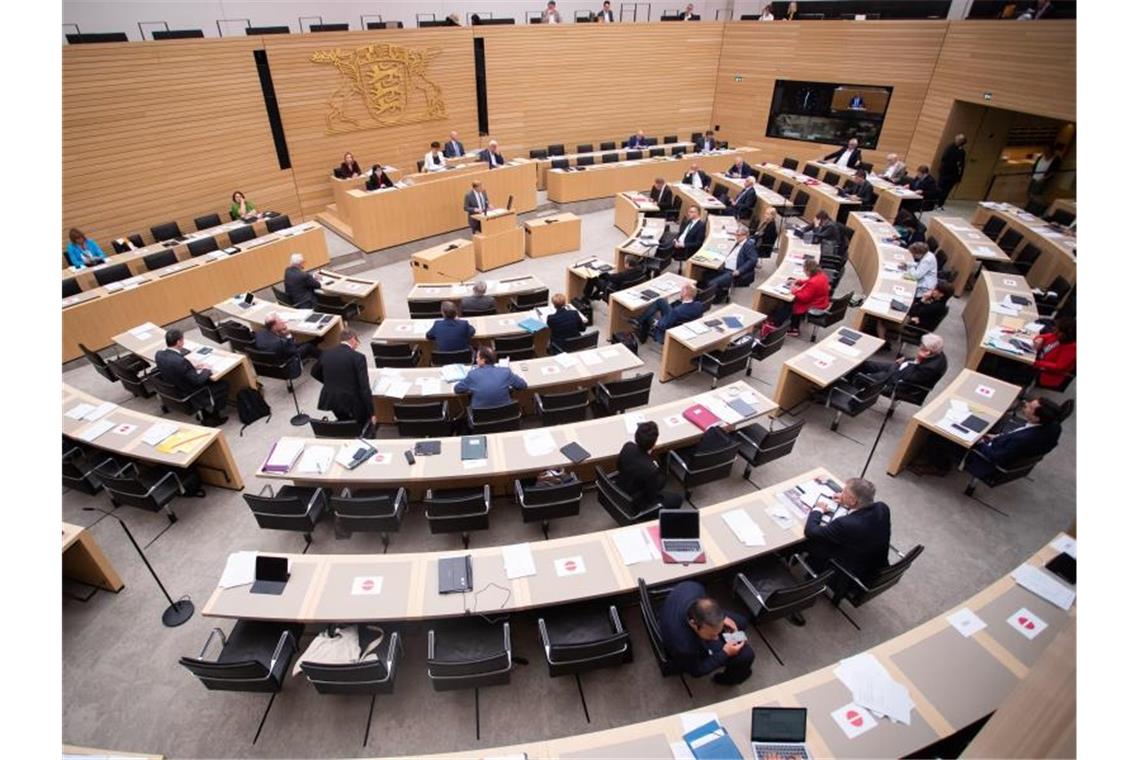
[(700, 416)]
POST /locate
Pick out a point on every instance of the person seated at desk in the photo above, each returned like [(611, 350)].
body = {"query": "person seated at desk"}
[(924, 270), (638, 141), (745, 201), (811, 292), (240, 208), (859, 540), (606, 14), (275, 338), (767, 232), (849, 155), (1036, 438), (706, 143), (640, 476), (563, 323), (825, 233), (740, 169), (1056, 353), (299, 284), (859, 187), (671, 316), (739, 268), (926, 313), (695, 177), (692, 235), (453, 148), (551, 14), (83, 252), (922, 372), (610, 282), (378, 179), (662, 195), (191, 379), (909, 228), (475, 202), (790, 15), (692, 626), (349, 168), (343, 374), (489, 384), (894, 170), (924, 184), (433, 159), (478, 300), (492, 155), (451, 333), (766, 13), (688, 15)]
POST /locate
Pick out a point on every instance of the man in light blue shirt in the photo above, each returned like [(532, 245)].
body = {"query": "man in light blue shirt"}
[(924, 270), (488, 384)]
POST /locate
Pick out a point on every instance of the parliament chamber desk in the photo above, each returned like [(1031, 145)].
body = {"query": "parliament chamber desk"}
[(775, 289), (821, 364), (319, 590), (84, 560), (969, 393), (167, 295), (966, 248), (516, 454), (881, 268), (359, 290), (414, 331), (1068, 205), (499, 241), (147, 339), (607, 180), (543, 374), (544, 164), (690, 196), (204, 449), (395, 215), (988, 330), (85, 276), (641, 242), (453, 261), (953, 680), (325, 329), (341, 187), (501, 290), (628, 210), (684, 343), (582, 271), (631, 302), (765, 197), (720, 237), (821, 196), (1058, 257), (558, 233), (891, 197)]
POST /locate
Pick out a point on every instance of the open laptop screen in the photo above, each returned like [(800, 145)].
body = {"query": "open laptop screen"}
[(680, 523), (779, 724)]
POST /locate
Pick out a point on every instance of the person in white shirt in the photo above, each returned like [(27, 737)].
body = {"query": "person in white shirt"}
[(766, 14), (895, 169), (433, 159), (924, 270), (552, 14), (849, 156), (1043, 170)]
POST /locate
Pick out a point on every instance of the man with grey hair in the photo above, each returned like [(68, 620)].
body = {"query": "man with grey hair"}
[(492, 155), (478, 300), (299, 284), (911, 378), (858, 540), (671, 315), (894, 170)]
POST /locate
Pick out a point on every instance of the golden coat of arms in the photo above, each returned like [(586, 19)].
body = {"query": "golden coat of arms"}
[(382, 85)]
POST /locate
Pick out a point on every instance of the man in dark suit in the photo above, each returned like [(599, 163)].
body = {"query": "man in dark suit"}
[(662, 195), (951, 167), (692, 235), (209, 397), (692, 629), (606, 14), (696, 177), (610, 282), (453, 148), (489, 384), (923, 183), (451, 333), (1036, 438), (671, 316), (475, 202), (925, 314), (745, 201), (563, 323), (706, 143), (739, 265), (274, 338), (688, 15), (913, 377), (492, 156), (861, 189), (343, 374), (299, 284), (640, 476), (858, 540), (740, 169), (849, 155), (638, 141)]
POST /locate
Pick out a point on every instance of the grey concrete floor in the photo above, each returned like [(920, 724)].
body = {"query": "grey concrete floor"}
[(123, 688)]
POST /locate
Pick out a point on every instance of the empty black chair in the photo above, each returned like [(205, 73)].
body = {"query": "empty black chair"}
[(831, 178), (514, 348), (766, 346), (291, 508), (760, 445), (993, 227), (544, 503), (1010, 240), (617, 396), (556, 150), (790, 163), (586, 161), (112, 273), (560, 163), (326, 428), (422, 420), (371, 675), (368, 511), (811, 170), (207, 327), (1053, 295), (71, 287), (655, 152), (1028, 256), (527, 301), (327, 303), (727, 361), (851, 397), (443, 358), (846, 585), (278, 223), (152, 489), (610, 158), (134, 374), (634, 155), (658, 263), (239, 336), (831, 315), (583, 342), (242, 234), (678, 150), (165, 231), (159, 260), (83, 469), (578, 639), (768, 181), (771, 592), (785, 189), (458, 510), (586, 148), (797, 207), (618, 503), (560, 408), (1062, 217), (268, 364), (98, 362), (494, 419), (395, 355), (669, 139), (202, 246), (1036, 207), (206, 222), (538, 153), (425, 309), (255, 657), (468, 654), (693, 466), (607, 146)]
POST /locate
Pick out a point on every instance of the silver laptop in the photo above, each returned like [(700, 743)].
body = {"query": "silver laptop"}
[(779, 731), (680, 536)]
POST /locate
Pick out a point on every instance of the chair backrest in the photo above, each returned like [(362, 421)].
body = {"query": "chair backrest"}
[(578, 654), (171, 396), (524, 301), (495, 419), (238, 335), (269, 364), (514, 343), (541, 503), (1062, 217), (127, 488), (556, 150), (707, 466), (607, 146), (71, 287), (655, 152), (609, 158), (801, 199), (831, 178), (652, 629), (424, 309), (585, 148), (668, 139), (768, 181), (866, 397), (280, 296), (560, 163), (242, 234), (458, 510), (707, 295), (628, 393), (98, 362), (934, 245), (734, 356), (396, 355), (207, 221), (1010, 239), (785, 189), (443, 358), (811, 170), (838, 308), (136, 240), (560, 408), (165, 231), (1036, 207), (770, 343), (159, 260), (790, 163), (1060, 286), (586, 161), (884, 578), (202, 246), (789, 600), (634, 155), (993, 227), (112, 273), (422, 420), (538, 153), (207, 327), (243, 675), (677, 150), (470, 672), (369, 511), (278, 223), (617, 502), (285, 512), (130, 377), (583, 342), (336, 428), (370, 676), (1029, 254)]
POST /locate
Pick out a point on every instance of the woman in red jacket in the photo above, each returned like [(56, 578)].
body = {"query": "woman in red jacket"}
[(1056, 353), (812, 292)]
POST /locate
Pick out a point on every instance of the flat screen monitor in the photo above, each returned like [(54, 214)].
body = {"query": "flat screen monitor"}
[(828, 112)]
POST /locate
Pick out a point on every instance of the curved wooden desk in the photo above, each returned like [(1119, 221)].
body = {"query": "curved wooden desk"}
[(544, 164), (501, 290), (1058, 249), (605, 180), (629, 210), (881, 267), (683, 343), (641, 242), (774, 290), (765, 197), (692, 197), (821, 196), (326, 332), (965, 246), (629, 303), (892, 197), (988, 331), (720, 236), (84, 560), (360, 290), (821, 364), (487, 328), (148, 339)]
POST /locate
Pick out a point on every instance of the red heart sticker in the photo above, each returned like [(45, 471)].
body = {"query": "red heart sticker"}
[(1026, 623), (854, 718), (367, 585), (570, 564)]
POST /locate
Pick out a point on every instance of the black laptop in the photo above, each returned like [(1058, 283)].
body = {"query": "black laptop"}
[(270, 574)]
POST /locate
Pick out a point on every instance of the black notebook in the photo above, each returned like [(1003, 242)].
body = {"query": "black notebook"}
[(455, 574), (575, 453), (853, 335), (897, 305), (427, 448), (649, 295), (1064, 566), (975, 423)]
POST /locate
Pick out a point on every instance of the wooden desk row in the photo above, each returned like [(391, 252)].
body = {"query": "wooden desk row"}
[(501, 290), (166, 295), (953, 680), (765, 197), (207, 451), (414, 331), (148, 339), (360, 290), (988, 329), (1058, 256), (892, 197), (630, 208), (304, 324), (574, 159), (632, 302), (710, 332), (881, 267), (774, 289), (821, 364), (821, 196), (695, 197), (320, 586), (720, 237), (966, 248)]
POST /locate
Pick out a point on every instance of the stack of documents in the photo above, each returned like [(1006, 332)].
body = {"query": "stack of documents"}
[(159, 432), (780, 515), (518, 561), (538, 442), (283, 455), (565, 360), (1043, 584), (635, 546), (94, 431), (873, 688), (429, 386), (745, 528), (316, 460), (182, 442), (397, 388)]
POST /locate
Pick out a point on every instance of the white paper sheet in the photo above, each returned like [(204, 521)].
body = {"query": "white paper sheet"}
[(566, 360), (397, 389), (159, 432), (101, 411), (745, 528), (1044, 585), (316, 459), (780, 515), (966, 622), (518, 561), (538, 442), (1065, 543), (239, 570), (95, 430), (79, 411)]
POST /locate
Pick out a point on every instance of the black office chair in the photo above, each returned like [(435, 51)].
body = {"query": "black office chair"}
[(207, 221), (153, 261), (707, 296), (560, 408), (494, 419), (242, 234), (797, 207), (560, 163), (425, 309), (269, 364), (528, 301), (192, 404), (1027, 258), (831, 178), (850, 396), (278, 223), (327, 303), (556, 150), (473, 312), (165, 231), (326, 428), (583, 342), (443, 358), (646, 604), (760, 445), (771, 592), (656, 152), (538, 153), (610, 158), (766, 346), (468, 653), (255, 657), (618, 503), (542, 504), (1056, 292), (202, 246), (112, 273), (1000, 475), (678, 150), (207, 327), (585, 161), (429, 419), (134, 374), (785, 189), (586, 148), (833, 314), (71, 287), (514, 348), (618, 396), (607, 146), (656, 264), (846, 585), (768, 181), (291, 508), (693, 467), (1061, 217), (374, 674), (368, 511), (1009, 241), (811, 170), (152, 489), (727, 361), (581, 638), (993, 227), (239, 336), (99, 363), (458, 510), (905, 392), (84, 468), (395, 355), (281, 297)]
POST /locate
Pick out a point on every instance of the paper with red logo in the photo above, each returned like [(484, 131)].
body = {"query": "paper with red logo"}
[(1027, 624), (854, 720)]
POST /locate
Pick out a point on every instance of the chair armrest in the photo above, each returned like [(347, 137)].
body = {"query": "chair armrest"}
[(401, 505), (286, 638), (740, 583), (615, 619), (849, 575), (520, 499), (211, 638), (798, 559), (487, 497), (674, 457), (544, 636), (316, 500), (817, 312), (162, 480)]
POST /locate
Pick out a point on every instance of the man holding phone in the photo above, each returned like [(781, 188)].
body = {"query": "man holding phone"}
[(700, 637)]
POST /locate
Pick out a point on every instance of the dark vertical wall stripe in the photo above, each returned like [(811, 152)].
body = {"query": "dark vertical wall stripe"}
[(271, 109), (481, 87)]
